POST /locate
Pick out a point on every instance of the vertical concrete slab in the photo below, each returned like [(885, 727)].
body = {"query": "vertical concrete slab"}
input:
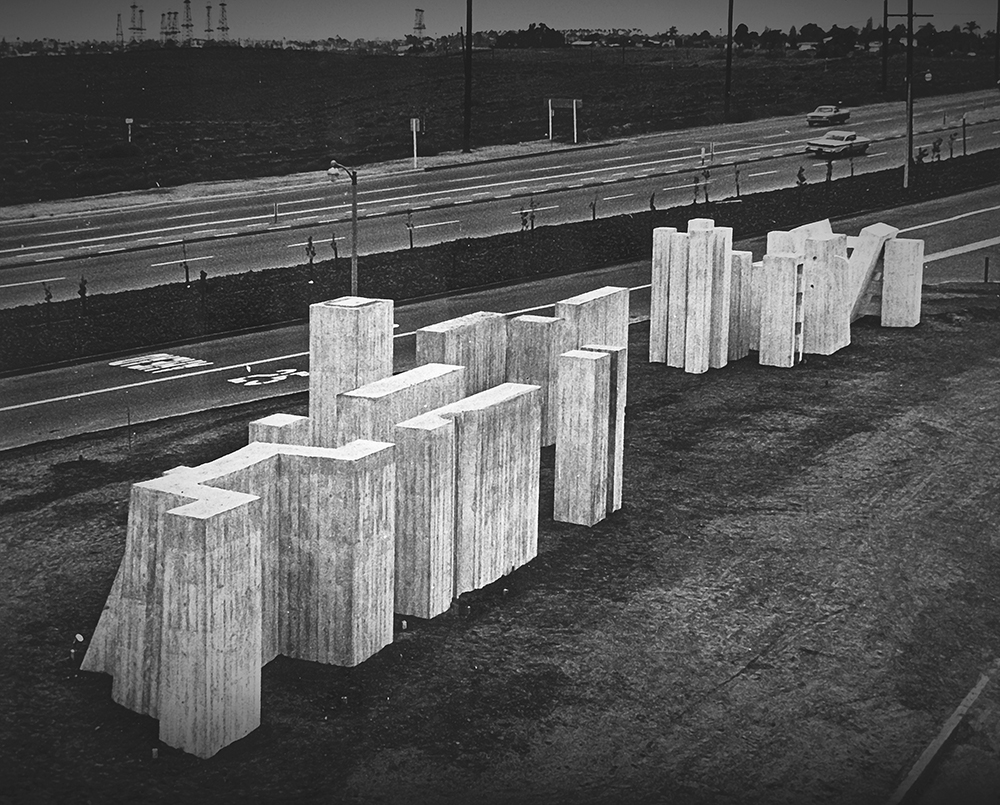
[(781, 242), (756, 291), (597, 317), (477, 341), (582, 444), (372, 411), (722, 279), (659, 294), (902, 282), (211, 627), (677, 300), (865, 266), (826, 310), (616, 421), (425, 515), (778, 311), (534, 344), (339, 564), (350, 344), (281, 429), (498, 440), (740, 305), (699, 300)]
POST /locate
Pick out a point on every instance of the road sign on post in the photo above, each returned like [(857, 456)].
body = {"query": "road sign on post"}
[(564, 103), (414, 127)]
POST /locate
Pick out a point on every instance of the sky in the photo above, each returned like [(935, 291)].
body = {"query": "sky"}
[(391, 19)]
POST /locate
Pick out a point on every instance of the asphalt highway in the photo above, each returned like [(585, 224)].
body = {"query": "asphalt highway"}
[(138, 240), (959, 234)]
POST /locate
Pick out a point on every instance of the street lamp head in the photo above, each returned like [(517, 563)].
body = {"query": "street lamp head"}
[(927, 76)]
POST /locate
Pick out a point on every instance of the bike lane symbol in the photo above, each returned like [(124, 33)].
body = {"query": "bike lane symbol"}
[(268, 377)]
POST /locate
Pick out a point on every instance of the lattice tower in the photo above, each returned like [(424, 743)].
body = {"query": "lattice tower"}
[(223, 24), (119, 34), (418, 24), (187, 25), (208, 23), (134, 27)]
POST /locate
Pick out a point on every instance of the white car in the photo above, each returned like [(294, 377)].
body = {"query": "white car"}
[(838, 144)]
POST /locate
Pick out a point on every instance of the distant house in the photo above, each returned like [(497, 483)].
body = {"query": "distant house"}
[(584, 43), (805, 47), (875, 47)]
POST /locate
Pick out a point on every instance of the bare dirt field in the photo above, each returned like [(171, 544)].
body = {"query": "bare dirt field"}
[(799, 590)]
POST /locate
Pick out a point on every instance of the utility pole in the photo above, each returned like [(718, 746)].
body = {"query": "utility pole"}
[(885, 46), (467, 129), (909, 89), (729, 62), (996, 47)]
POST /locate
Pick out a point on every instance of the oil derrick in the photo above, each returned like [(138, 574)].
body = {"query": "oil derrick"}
[(163, 28), (142, 27), (223, 24), (188, 26), (172, 30), (418, 25), (135, 29), (208, 23), (119, 35)]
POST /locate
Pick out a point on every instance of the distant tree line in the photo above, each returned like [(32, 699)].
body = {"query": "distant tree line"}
[(832, 42)]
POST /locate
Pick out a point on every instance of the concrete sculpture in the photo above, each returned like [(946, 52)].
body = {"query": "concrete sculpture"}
[(710, 304), (396, 494)]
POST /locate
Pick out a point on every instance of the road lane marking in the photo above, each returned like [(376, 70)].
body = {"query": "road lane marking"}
[(51, 259), (952, 218), (612, 198), (439, 223), (204, 232), (32, 282), (969, 247), (763, 173), (112, 251), (178, 262)]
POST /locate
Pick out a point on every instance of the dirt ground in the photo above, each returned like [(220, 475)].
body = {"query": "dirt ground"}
[(798, 591)]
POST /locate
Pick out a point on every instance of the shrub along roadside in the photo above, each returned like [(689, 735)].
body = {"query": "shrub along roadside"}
[(51, 332)]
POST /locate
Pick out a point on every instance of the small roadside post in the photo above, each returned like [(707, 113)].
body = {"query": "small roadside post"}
[(414, 128)]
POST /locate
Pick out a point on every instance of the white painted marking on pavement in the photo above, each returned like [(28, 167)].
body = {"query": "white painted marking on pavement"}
[(32, 282), (969, 247), (439, 223), (951, 219), (178, 262)]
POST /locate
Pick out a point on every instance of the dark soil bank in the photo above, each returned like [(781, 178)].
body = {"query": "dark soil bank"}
[(799, 590)]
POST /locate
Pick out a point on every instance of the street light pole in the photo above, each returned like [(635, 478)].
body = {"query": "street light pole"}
[(333, 173), (909, 88)]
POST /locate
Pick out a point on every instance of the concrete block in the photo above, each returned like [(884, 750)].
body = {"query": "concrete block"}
[(534, 344), (779, 311), (816, 229), (865, 267), (722, 279), (228, 563), (756, 290), (425, 515), (700, 224), (740, 305), (597, 317), (209, 680), (677, 300), (701, 250), (616, 421), (477, 341), (350, 345), (498, 440), (902, 282), (372, 411), (826, 310), (582, 444), (659, 293), (281, 429)]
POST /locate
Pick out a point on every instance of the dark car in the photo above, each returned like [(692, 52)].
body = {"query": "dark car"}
[(828, 116)]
